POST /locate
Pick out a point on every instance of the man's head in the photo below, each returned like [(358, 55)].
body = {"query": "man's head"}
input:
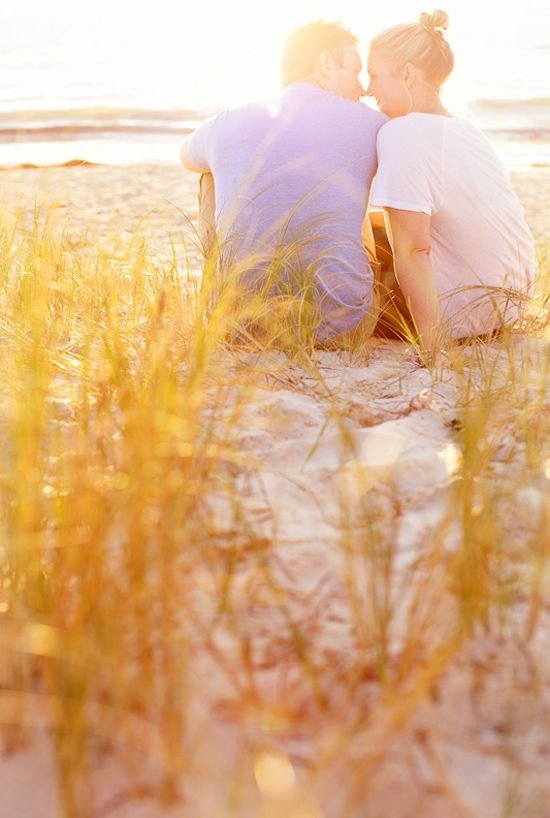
[(325, 54)]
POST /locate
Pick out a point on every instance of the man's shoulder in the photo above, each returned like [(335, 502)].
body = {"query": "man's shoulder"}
[(375, 118), (358, 112), (361, 116), (354, 109), (251, 110)]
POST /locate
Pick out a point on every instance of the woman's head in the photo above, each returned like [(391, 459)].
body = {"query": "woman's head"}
[(409, 61)]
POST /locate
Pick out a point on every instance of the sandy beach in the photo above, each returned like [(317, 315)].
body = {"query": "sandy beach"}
[(357, 441), (160, 202)]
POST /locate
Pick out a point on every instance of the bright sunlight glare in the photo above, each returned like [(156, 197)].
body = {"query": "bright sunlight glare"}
[(222, 53)]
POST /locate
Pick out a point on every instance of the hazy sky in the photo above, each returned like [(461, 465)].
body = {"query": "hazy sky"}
[(224, 51)]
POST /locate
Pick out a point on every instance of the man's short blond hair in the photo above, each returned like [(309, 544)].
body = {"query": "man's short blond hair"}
[(304, 47)]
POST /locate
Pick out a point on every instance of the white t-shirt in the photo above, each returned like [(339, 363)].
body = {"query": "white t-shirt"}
[(482, 252)]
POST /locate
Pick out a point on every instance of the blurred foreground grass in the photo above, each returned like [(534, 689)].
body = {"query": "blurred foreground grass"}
[(119, 401)]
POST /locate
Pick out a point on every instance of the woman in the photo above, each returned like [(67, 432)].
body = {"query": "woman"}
[(463, 253)]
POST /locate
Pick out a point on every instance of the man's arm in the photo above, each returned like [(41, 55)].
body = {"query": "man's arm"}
[(185, 159), (368, 237), (410, 235)]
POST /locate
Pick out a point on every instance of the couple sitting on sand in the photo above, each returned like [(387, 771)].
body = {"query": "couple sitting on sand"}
[(292, 183)]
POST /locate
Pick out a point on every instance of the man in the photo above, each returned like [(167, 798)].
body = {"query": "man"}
[(292, 184)]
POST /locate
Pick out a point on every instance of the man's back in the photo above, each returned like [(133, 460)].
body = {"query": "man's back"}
[(297, 177)]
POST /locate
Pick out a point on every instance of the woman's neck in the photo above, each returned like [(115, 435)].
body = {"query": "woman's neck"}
[(426, 100)]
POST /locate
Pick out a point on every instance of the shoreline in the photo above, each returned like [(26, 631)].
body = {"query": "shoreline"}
[(77, 161)]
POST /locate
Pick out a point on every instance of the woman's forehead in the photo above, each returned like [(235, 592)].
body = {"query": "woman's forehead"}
[(375, 63)]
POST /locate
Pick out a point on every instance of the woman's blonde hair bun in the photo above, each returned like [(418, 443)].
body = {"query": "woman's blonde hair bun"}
[(423, 44), (437, 20)]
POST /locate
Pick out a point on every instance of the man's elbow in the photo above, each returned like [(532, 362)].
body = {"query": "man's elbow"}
[(186, 161)]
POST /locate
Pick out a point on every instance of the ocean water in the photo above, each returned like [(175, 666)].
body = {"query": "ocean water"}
[(85, 82)]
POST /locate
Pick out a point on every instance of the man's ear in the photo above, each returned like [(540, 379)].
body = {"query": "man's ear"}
[(325, 63), (408, 74)]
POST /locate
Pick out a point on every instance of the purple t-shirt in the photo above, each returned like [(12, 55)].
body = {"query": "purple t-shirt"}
[(297, 175)]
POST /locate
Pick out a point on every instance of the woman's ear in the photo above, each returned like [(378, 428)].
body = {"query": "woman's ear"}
[(408, 74)]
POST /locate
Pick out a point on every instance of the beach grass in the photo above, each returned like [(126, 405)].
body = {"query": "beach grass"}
[(143, 605)]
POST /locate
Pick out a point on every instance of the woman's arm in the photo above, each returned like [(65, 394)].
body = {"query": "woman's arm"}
[(410, 237)]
